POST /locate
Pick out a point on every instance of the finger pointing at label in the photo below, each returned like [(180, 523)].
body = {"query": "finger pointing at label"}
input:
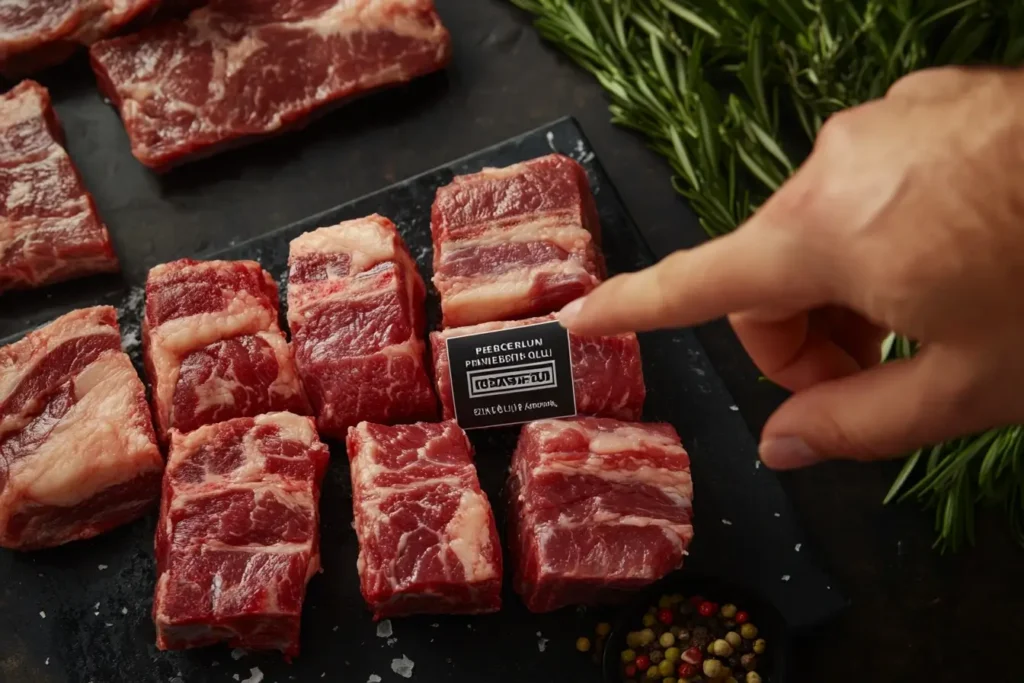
[(753, 268)]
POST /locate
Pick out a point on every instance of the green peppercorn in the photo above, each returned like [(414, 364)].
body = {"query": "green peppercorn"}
[(667, 639), (760, 646), (672, 654), (628, 656), (721, 648), (665, 602), (646, 637), (753, 677), (669, 679), (731, 680), (748, 631), (728, 611), (666, 668), (653, 673), (583, 644), (650, 620), (603, 629), (656, 656), (712, 668), (749, 662), (633, 639)]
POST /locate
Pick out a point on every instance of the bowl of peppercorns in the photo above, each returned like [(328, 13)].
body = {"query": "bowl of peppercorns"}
[(694, 630)]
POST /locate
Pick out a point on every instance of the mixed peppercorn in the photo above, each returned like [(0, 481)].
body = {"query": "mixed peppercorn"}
[(691, 641)]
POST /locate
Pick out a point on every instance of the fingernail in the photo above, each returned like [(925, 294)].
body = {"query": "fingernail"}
[(787, 453), (570, 312)]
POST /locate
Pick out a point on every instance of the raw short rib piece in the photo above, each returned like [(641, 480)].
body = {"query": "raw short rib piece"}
[(78, 455), (213, 347), (49, 230), (515, 242), (607, 373), (356, 312), (242, 68), (597, 507), (427, 539), (35, 34), (238, 536)]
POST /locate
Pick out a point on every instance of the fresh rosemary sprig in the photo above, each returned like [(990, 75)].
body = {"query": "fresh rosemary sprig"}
[(712, 84)]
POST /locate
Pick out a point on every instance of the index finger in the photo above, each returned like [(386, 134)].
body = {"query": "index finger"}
[(752, 268)]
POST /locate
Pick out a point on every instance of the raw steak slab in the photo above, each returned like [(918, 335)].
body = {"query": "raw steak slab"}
[(607, 373), (427, 538), (597, 507), (49, 229), (78, 455), (38, 33), (515, 242), (213, 347), (238, 536), (356, 312), (237, 69)]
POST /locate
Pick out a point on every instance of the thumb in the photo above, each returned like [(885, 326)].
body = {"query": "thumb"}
[(884, 412)]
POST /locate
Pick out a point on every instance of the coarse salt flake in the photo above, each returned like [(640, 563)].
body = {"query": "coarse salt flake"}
[(255, 675), (797, 547), (403, 667), (42, 614), (726, 522), (102, 567), (384, 629), (785, 577)]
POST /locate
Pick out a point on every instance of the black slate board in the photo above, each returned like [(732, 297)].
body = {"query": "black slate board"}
[(96, 595)]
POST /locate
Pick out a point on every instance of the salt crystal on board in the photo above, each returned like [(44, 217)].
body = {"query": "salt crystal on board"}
[(384, 629), (403, 667)]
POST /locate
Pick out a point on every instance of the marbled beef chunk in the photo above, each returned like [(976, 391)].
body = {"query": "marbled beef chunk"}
[(356, 312), (213, 347), (608, 375), (598, 507), (427, 538), (238, 536), (237, 69), (49, 229), (78, 455), (515, 242)]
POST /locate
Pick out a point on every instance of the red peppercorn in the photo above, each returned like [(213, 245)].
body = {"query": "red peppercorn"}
[(707, 609), (629, 670), (742, 617), (665, 616), (693, 655), (643, 663), (686, 670)]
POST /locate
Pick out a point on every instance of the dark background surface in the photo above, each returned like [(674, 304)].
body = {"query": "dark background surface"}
[(916, 615)]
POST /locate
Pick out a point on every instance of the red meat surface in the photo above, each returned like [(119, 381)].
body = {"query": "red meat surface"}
[(356, 312), (515, 242), (238, 536), (38, 33), (427, 538), (598, 507), (608, 375), (213, 347), (78, 455), (49, 229), (237, 69)]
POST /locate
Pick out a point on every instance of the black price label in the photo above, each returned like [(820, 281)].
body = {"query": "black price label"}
[(518, 374)]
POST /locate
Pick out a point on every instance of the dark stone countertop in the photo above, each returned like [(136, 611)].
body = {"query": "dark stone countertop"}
[(915, 616)]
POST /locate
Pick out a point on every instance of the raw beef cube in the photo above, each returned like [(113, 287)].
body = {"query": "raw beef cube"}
[(49, 229), (237, 69), (515, 242), (597, 507), (35, 34), (78, 455), (355, 309), (427, 538), (213, 347), (238, 536), (607, 373)]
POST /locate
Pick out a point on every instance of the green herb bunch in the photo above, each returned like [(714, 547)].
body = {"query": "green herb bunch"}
[(733, 93)]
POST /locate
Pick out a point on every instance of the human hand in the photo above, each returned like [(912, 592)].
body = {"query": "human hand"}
[(907, 216)]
